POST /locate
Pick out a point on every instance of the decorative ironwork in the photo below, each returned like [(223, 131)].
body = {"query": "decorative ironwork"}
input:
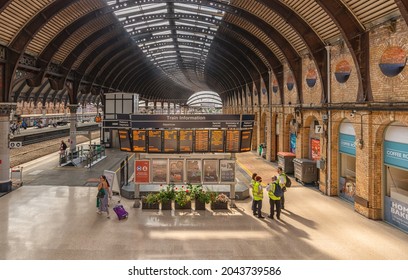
[(27, 61), (7, 108), (2, 52)]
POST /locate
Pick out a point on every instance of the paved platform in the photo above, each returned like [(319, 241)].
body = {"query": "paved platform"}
[(51, 218)]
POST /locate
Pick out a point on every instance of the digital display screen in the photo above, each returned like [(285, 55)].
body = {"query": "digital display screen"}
[(139, 141), (170, 141), (232, 143), (246, 138), (217, 141), (201, 141), (155, 141), (186, 141), (124, 140)]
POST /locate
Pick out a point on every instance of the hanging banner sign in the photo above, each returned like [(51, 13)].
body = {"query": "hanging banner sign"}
[(315, 143), (142, 171), (396, 154), (347, 144)]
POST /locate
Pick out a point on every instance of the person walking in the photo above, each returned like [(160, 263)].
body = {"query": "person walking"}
[(102, 196), (251, 186), (257, 192), (282, 182), (274, 197), (63, 147)]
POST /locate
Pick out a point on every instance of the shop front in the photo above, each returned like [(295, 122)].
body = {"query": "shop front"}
[(396, 176), (347, 162)]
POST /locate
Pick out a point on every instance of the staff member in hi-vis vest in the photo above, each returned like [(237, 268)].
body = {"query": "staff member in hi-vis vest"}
[(257, 192)]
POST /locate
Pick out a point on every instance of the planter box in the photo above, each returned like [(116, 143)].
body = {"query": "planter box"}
[(166, 205), (187, 206), (219, 205), (150, 205), (199, 205)]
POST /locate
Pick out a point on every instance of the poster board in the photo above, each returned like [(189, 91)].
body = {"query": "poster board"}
[(210, 171), (193, 170), (176, 168), (112, 181), (159, 170), (227, 171), (142, 171)]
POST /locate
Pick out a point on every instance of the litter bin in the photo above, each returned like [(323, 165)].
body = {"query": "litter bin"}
[(305, 170), (285, 160), (263, 154)]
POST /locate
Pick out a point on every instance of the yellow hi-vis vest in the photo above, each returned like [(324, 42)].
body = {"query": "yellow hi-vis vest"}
[(272, 190), (257, 196)]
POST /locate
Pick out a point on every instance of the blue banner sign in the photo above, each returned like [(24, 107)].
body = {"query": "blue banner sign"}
[(396, 154), (396, 213), (347, 144), (293, 143)]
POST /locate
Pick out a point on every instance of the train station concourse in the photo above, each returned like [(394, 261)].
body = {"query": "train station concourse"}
[(133, 129)]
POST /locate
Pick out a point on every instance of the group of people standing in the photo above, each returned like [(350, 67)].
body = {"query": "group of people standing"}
[(276, 193)]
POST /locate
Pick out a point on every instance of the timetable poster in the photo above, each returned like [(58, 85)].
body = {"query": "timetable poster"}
[(227, 171), (194, 170), (139, 141), (159, 170), (176, 171), (232, 141), (217, 141), (186, 141), (210, 169), (155, 141), (246, 137), (201, 141), (170, 141), (124, 140)]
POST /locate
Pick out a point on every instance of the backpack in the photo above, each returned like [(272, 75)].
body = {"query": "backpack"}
[(278, 190)]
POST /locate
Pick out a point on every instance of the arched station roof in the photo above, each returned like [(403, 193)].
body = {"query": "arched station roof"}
[(169, 49)]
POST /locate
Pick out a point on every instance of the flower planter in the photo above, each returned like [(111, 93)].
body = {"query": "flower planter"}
[(150, 205), (199, 205), (186, 206), (166, 205), (219, 205)]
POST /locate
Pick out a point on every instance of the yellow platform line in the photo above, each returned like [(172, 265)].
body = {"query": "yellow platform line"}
[(249, 172)]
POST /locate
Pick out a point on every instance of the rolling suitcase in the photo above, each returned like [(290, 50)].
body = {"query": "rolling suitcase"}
[(120, 211)]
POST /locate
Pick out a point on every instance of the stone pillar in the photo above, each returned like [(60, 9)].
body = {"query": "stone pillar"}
[(73, 123), (5, 180)]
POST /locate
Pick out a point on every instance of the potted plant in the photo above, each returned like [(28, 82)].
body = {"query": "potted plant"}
[(165, 197), (200, 196), (182, 198), (151, 201), (219, 201)]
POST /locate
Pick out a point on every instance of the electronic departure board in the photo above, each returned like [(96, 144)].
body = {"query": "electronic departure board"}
[(232, 141), (139, 141), (170, 141), (216, 141), (246, 137), (201, 141), (155, 141), (186, 141), (124, 140)]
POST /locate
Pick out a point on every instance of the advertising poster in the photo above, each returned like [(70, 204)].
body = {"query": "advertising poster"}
[(315, 145), (176, 171), (396, 212), (194, 171), (227, 170), (210, 169), (159, 170), (293, 143), (142, 171)]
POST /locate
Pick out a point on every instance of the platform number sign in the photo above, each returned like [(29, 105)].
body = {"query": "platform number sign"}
[(318, 128), (14, 145)]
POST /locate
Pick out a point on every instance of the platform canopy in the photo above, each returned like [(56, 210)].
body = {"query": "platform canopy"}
[(72, 51)]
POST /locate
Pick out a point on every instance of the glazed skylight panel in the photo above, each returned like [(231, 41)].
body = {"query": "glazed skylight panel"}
[(370, 10)]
